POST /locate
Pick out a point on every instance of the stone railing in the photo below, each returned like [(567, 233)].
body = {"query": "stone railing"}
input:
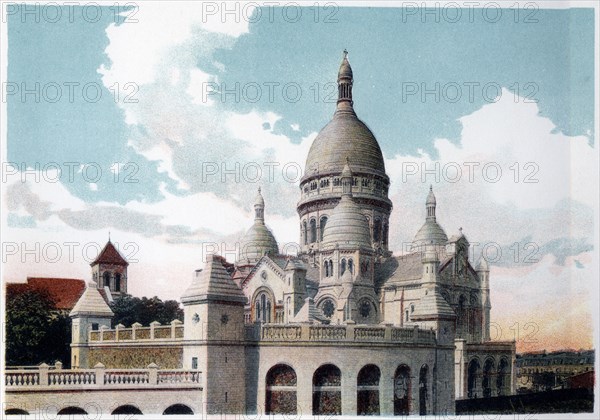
[(99, 377), (338, 333), (138, 333)]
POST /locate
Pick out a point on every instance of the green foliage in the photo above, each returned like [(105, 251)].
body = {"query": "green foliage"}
[(35, 331), (129, 309)]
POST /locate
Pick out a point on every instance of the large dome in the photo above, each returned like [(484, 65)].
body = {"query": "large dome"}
[(347, 227), (345, 137)]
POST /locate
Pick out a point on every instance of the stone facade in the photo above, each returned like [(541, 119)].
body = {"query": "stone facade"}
[(344, 327)]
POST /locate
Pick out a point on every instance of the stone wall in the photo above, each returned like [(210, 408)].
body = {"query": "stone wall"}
[(135, 357)]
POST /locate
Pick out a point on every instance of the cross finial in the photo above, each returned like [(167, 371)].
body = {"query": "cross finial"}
[(109, 236), (460, 229), (259, 190), (345, 53)]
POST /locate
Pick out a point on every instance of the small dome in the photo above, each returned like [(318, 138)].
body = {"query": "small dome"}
[(347, 227), (257, 241), (483, 265), (431, 233), (430, 197)]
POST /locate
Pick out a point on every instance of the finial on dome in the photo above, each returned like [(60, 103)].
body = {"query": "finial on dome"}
[(347, 179), (430, 204), (259, 206), (344, 102)]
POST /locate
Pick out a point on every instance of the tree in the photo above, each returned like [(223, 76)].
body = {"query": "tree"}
[(35, 331), (129, 309)]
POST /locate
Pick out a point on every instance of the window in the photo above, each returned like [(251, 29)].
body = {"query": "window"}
[(402, 391), (305, 230), (328, 308), (262, 306), (323, 223), (351, 266), (194, 363), (377, 230), (423, 390), (326, 268), (313, 231), (106, 279), (327, 390), (94, 326), (342, 267), (367, 386), (281, 390), (337, 182), (117, 282)]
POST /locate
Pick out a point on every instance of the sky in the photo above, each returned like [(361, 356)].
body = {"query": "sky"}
[(157, 124)]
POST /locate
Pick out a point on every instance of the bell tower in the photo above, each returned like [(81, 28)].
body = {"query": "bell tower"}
[(109, 269)]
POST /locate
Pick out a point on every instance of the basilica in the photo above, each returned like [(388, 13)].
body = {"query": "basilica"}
[(344, 327)]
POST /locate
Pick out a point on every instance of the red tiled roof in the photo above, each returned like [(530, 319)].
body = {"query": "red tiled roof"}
[(64, 292), (110, 255)]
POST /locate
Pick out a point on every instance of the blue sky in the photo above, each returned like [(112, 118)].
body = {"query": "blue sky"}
[(165, 139)]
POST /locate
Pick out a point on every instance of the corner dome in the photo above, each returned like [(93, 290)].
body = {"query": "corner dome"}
[(345, 136), (259, 239), (431, 233), (347, 227), (257, 242)]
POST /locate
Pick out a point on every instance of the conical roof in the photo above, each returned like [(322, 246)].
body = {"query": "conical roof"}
[(110, 255), (213, 283), (91, 303)]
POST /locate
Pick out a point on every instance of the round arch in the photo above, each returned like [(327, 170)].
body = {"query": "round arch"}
[(473, 372), (263, 305), (178, 409), (367, 386), (71, 410), (280, 398), (126, 409), (327, 390), (402, 391), (15, 412)]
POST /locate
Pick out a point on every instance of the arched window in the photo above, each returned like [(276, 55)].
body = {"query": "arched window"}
[(367, 385), (15, 412), (342, 267), (313, 231), (117, 282), (305, 230), (385, 234), (262, 307), (472, 378), (502, 378), (377, 230), (406, 316), (326, 268), (402, 391), (281, 390), (351, 266), (327, 390), (323, 223), (486, 382), (423, 390), (106, 279)]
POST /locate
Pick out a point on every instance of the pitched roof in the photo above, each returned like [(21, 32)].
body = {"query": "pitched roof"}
[(433, 305), (409, 267), (64, 292), (213, 283), (91, 302), (110, 255)]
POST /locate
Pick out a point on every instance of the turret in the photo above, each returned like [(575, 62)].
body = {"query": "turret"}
[(90, 313), (109, 270), (213, 307), (483, 271)]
